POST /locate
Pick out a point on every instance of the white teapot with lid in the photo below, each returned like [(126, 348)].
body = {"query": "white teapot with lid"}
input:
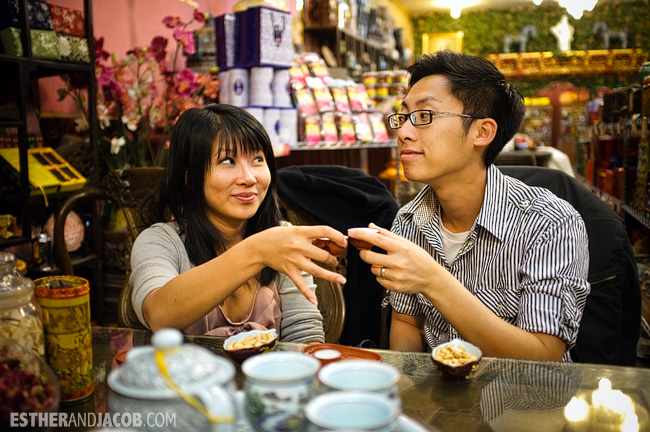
[(172, 386)]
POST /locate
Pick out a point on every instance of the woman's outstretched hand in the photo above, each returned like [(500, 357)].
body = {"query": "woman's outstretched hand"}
[(290, 250)]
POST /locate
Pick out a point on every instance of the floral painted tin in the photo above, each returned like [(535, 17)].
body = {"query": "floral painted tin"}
[(65, 301)]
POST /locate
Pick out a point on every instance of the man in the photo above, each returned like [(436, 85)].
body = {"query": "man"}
[(476, 255)]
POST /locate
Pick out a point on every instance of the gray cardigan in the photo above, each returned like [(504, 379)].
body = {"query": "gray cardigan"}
[(158, 255)]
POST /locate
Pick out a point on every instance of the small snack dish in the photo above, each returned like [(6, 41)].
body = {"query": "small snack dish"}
[(327, 353), (360, 244), (247, 344), (456, 360), (329, 246)]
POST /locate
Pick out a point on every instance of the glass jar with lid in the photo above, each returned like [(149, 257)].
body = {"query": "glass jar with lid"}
[(21, 319)]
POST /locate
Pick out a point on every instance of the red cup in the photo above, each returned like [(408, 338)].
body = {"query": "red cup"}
[(329, 246), (361, 244)]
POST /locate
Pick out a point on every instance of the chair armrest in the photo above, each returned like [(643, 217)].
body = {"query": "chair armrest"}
[(60, 250)]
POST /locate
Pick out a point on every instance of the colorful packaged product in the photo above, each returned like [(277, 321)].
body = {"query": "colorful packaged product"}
[(67, 21), (322, 95), (263, 38), (359, 99), (45, 44), (312, 129), (346, 128), (341, 102), (362, 127), (297, 76), (378, 127), (306, 102), (73, 49), (317, 66), (329, 130), (357, 103)]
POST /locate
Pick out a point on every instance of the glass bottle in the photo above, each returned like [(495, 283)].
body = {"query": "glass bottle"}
[(21, 319)]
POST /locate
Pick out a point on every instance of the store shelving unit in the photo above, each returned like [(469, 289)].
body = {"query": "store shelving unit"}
[(342, 42), (625, 117), (341, 145), (24, 71)]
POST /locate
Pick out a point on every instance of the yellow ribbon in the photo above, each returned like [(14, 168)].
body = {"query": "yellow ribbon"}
[(44, 195), (190, 399)]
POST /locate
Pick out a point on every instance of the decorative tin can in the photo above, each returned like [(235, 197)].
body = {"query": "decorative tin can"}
[(65, 301)]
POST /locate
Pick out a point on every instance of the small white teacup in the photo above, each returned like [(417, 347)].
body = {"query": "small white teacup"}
[(351, 411), (365, 376), (278, 386)]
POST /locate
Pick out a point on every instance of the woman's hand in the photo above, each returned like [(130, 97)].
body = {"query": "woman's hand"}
[(289, 250)]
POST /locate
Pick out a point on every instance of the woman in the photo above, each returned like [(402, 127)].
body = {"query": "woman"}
[(226, 263)]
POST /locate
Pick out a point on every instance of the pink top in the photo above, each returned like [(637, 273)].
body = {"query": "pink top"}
[(264, 315)]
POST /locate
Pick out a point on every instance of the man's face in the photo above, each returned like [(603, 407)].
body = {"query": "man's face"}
[(441, 149)]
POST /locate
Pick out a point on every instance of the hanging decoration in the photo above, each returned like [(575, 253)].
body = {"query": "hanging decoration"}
[(577, 7), (609, 35), (563, 32), (521, 39)]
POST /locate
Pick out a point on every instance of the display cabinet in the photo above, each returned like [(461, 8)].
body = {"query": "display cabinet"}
[(23, 72), (618, 167), (348, 49), (359, 41), (538, 123)]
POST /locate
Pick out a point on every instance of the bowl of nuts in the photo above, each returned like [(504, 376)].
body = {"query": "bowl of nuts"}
[(456, 360), (247, 344)]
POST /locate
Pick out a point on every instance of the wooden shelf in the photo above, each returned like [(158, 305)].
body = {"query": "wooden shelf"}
[(576, 63), (615, 203), (10, 123), (340, 145), (22, 73), (366, 52)]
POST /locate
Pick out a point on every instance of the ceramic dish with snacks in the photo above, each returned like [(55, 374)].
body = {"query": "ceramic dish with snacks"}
[(456, 360), (247, 344)]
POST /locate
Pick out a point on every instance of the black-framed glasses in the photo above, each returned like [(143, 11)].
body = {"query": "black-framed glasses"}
[(420, 117)]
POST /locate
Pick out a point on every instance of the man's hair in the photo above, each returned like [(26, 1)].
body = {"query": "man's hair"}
[(482, 89)]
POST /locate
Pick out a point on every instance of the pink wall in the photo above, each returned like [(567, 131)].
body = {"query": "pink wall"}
[(125, 24)]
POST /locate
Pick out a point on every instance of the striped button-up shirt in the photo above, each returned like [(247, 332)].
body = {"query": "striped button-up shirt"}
[(526, 258)]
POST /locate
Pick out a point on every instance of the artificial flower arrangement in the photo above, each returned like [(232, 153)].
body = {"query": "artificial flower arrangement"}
[(140, 96)]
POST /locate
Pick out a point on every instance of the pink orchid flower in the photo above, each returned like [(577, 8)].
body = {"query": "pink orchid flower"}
[(107, 80), (158, 48), (172, 21), (186, 39), (199, 16), (186, 83)]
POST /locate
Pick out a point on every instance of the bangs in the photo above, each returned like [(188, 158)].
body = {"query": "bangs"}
[(245, 140)]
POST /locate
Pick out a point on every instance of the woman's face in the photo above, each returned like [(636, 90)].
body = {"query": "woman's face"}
[(235, 187)]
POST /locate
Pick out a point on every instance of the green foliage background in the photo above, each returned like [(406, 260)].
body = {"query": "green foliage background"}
[(484, 33)]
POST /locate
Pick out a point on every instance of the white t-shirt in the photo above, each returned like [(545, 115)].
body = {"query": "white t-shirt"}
[(452, 242)]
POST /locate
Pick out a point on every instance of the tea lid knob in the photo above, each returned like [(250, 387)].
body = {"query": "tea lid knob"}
[(167, 339)]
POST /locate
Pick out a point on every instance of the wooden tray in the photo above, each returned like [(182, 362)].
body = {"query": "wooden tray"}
[(347, 353)]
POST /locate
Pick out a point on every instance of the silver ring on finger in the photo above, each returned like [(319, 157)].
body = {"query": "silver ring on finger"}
[(382, 273)]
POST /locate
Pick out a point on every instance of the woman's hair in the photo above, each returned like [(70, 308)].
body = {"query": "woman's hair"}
[(482, 89), (180, 192)]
